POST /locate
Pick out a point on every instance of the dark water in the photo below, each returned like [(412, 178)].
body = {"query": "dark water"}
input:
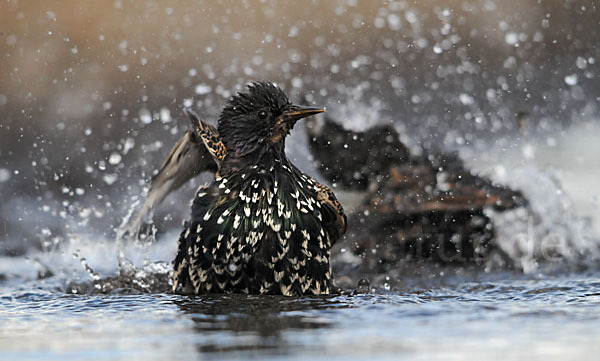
[(525, 318)]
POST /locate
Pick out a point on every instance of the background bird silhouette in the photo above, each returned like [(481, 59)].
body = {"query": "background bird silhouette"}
[(414, 207)]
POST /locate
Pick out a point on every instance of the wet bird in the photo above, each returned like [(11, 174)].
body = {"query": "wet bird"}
[(262, 226), (427, 206)]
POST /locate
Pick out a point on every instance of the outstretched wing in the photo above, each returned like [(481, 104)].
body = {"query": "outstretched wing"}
[(334, 218), (198, 150)]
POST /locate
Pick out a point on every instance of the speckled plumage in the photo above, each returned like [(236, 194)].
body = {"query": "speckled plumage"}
[(263, 226)]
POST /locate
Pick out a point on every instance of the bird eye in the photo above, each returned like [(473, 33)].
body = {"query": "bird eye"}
[(262, 114)]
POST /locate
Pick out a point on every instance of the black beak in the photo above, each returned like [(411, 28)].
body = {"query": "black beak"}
[(297, 112)]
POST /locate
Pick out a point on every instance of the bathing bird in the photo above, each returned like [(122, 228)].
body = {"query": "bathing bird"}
[(262, 226)]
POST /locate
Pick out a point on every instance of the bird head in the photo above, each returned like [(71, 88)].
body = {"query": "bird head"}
[(259, 119)]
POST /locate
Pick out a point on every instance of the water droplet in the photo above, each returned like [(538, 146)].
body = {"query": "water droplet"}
[(297, 82), (466, 99), (165, 115), (110, 178), (202, 89), (394, 21), (145, 116), (114, 158), (511, 38), (4, 175), (581, 63), (571, 79), (128, 145)]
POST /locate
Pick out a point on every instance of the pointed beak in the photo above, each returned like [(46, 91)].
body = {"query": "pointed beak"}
[(297, 112)]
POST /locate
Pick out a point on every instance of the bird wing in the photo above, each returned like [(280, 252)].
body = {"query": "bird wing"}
[(199, 149), (334, 218), (209, 135)]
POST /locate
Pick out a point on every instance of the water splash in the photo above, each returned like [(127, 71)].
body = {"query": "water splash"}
[(137, 225), (151, 277), (86, 266), (560, 229)]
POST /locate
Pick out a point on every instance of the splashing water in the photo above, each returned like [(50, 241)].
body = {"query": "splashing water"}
[(561, 228)]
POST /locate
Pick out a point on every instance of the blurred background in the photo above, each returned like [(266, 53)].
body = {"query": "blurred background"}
[(91, 93)]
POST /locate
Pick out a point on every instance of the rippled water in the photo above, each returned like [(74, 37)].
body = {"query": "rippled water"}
[(533, 318)]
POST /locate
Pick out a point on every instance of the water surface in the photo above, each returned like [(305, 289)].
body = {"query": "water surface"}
[(524, 318)]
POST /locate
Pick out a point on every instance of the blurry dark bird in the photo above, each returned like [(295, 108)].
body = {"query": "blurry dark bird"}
[(425, 206), (368, 153), (263, 226)]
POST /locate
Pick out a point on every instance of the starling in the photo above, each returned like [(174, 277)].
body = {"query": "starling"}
[(420, 207), (262, 226)]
